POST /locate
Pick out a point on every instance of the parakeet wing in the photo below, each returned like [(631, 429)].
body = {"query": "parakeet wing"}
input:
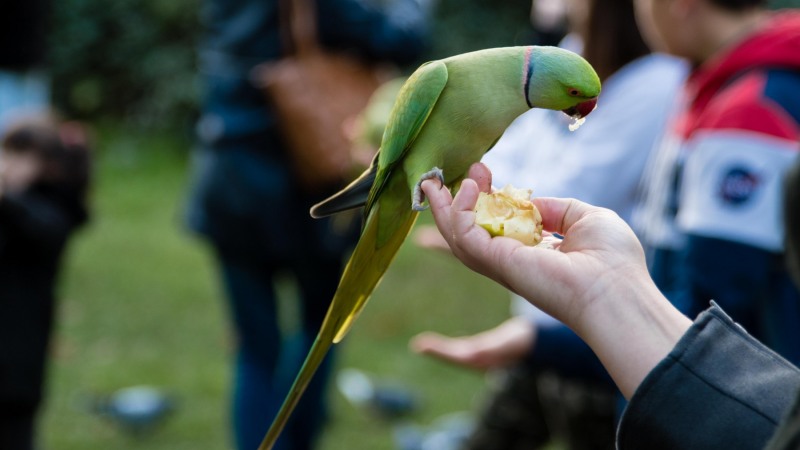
[(414, 104)]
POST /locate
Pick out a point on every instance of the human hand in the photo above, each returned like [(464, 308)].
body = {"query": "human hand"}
[(501, 346), (597, 256), (595, 280)]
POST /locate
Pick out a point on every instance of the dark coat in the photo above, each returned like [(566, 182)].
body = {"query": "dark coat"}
[(34, 227), (719, 388), (23, 33)]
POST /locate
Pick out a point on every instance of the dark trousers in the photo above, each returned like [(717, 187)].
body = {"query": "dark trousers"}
[(270, 353), (527, 409), (16, 425)]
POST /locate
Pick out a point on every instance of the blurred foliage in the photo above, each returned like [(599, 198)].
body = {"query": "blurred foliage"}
[(134, 60), (779, 4), (460, 26), (127, 59)]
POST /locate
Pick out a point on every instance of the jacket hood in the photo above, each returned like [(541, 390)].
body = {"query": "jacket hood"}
[(775, 45)]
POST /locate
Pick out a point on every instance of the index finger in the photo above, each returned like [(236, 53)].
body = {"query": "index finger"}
[(482, 176), (440, 199)]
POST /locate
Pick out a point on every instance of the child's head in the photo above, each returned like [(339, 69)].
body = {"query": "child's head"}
[(695, 29), (40, 151)]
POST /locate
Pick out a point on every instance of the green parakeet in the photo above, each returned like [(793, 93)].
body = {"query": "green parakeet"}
[(446, 116)]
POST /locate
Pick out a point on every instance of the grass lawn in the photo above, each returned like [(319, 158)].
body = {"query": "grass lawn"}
[(140, 304)]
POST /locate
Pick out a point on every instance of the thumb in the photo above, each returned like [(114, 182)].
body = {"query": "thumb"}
[(559, 214), (469, 236)]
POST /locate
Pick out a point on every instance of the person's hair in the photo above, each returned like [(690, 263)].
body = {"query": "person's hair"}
[(739, 5), (613, 38), (62, 148), (791, 220)]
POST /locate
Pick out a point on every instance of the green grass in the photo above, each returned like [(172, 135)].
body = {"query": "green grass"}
[(140, 304)]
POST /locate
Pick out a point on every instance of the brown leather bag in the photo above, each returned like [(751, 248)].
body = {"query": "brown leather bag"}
[(313, 92)]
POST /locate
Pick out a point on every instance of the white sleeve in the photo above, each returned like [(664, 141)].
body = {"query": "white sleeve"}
[(731, 187), (509, 160)]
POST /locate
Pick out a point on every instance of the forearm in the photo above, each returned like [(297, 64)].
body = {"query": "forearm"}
[(631, 333)]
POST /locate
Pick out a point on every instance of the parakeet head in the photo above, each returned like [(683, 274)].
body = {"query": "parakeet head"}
[(559, 79)]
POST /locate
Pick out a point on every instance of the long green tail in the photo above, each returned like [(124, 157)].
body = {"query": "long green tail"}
[(315, 356), (374, 252)]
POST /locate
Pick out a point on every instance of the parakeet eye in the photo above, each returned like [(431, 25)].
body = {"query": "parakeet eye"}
[(574, 92)]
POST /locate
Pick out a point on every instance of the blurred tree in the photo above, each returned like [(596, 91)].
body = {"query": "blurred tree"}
[(129, 59), (462, 26), (134, 60)]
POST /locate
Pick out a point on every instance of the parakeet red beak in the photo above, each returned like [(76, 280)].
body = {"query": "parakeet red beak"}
[(581, 110)]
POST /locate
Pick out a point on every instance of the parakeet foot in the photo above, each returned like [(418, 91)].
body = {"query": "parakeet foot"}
[(419, 197)]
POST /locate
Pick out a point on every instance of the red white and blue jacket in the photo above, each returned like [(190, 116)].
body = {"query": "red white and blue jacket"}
[(711, 214)]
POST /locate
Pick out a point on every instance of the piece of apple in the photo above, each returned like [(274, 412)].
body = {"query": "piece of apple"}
[(509, 212)]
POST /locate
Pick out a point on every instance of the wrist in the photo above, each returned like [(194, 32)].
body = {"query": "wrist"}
[(631, 327)]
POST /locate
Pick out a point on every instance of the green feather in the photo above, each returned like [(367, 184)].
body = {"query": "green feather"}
[(413, 106)]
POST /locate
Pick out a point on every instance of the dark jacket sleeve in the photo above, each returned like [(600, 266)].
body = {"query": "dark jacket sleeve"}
[(731, 273), (750, 284), (718, 388), (558, 348), (33, 218)]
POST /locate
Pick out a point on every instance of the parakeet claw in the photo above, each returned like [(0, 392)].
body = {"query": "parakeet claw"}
[(419, 197)]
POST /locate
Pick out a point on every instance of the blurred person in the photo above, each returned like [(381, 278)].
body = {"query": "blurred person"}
[(246, 202), (44, 177), (549, 21), (710, 217), (550, 375), (24, 84), (702, 385)]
